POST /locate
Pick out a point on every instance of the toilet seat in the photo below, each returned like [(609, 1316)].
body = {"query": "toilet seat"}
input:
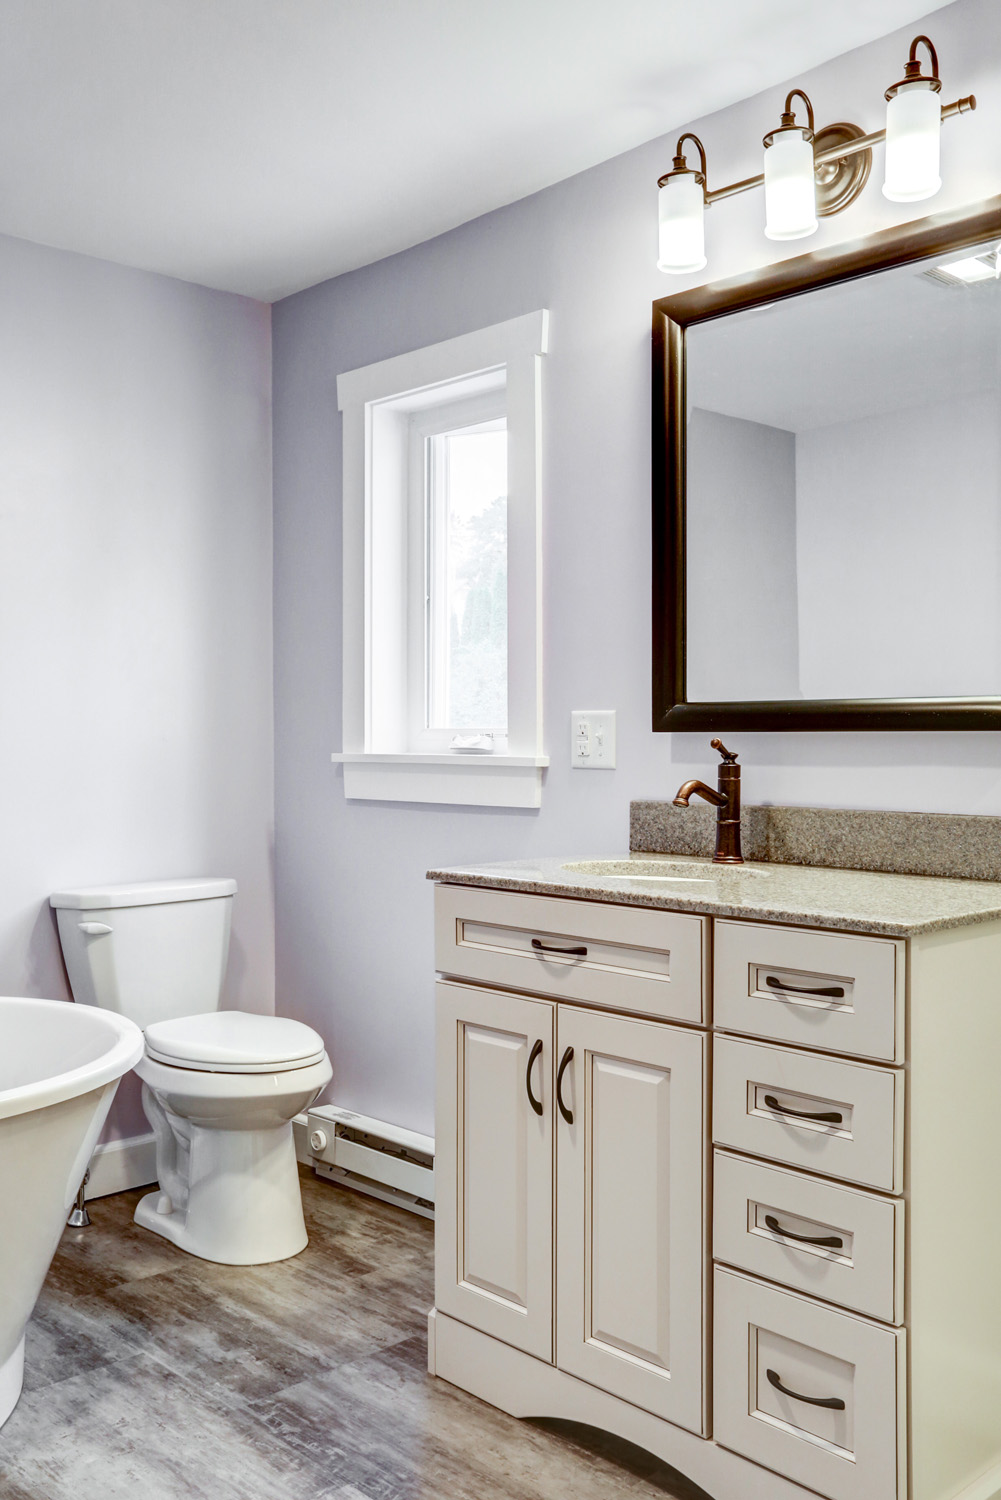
[(234, 1041)]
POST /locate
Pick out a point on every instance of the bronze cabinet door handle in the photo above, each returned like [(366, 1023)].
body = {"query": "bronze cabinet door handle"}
[(535, 1103), (566, 1059)]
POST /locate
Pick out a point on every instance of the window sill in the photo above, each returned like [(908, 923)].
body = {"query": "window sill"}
[(463, 780)]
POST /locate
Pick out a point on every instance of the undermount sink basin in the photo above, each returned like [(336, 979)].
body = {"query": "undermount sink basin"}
[(664, 871)]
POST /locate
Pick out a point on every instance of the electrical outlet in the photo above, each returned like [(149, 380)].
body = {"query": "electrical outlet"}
[(592, 739)]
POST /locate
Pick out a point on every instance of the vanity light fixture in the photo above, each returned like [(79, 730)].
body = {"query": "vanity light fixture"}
[(810, 172), (681, 202), (913, 130), (790, 176)]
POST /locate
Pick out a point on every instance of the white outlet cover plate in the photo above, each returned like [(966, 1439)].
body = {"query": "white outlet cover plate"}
[(592, 739)]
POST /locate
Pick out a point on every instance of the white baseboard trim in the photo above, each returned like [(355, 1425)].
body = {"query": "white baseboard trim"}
[(119, 1165)]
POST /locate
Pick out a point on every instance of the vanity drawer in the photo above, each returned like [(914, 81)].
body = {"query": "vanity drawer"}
[(863, 1141), (772, 1221), (628, 957), (769, 1343), (815, 989)]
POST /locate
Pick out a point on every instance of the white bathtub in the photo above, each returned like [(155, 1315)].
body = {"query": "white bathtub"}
[(59, 1068)]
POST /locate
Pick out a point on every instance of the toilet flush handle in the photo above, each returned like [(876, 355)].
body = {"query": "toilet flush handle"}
[(93, 928)]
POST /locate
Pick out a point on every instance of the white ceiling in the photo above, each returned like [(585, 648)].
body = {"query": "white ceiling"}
[(264, 145)]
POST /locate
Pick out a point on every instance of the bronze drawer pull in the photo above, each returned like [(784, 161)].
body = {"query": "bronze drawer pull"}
[(828, 1241), (535, 1103), (835, 992), (829, 1117), (541, 947), (833, 1403)]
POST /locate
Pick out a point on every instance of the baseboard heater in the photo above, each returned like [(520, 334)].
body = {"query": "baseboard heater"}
[(373, 1157)]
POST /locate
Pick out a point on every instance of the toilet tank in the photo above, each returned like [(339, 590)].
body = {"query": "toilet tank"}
[(152, 951)]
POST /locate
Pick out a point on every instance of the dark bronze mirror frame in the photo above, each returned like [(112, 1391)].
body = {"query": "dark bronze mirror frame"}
[(672, 317)]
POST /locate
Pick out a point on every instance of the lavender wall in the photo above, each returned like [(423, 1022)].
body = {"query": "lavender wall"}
[(353, 911), (135, 603)]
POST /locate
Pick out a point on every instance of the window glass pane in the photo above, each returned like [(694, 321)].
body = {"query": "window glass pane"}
[(467, 607)]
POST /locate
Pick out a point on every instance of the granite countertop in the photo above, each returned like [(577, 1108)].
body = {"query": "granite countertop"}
[(853, 900)]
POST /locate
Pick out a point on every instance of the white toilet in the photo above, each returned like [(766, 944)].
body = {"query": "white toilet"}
[(220, 1087)]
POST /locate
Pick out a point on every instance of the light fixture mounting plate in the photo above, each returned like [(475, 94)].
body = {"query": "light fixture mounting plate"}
[(840, 181)]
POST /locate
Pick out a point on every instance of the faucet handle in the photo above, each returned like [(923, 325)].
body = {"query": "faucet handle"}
[(729, 756)]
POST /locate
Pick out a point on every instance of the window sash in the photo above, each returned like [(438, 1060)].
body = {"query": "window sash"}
[(427, 622)]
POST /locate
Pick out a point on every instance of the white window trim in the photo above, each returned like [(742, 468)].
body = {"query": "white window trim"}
[(375, 764)]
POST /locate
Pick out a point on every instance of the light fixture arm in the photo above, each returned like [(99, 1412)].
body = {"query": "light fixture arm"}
[(679, 160), (912, 67), (789, 115), (681, 165)]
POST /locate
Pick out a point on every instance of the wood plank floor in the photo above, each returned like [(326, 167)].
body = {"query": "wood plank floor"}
[(151, 1375)]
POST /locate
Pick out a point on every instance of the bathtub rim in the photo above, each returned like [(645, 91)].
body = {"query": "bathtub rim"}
[(126, 1048)]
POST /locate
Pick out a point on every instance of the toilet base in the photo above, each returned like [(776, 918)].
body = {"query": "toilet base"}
[(244, 1206), (11, 1378)]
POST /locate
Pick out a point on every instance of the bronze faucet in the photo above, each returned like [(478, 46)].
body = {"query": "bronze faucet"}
[(727, 804)]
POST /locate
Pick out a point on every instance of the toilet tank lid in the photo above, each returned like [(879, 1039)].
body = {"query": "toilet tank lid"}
[(143, 893)]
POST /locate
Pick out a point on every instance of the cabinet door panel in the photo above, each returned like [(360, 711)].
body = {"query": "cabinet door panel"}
[(631, 1212), (494, 1168)]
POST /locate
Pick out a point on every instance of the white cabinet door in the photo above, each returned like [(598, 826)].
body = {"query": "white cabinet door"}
[(494, 1166), (631, 1211)]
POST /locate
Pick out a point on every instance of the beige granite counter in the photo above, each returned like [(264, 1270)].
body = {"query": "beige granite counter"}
[(852, 900)]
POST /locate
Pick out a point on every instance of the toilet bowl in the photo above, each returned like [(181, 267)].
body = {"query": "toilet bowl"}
[(220, 1088), (220, 1092)]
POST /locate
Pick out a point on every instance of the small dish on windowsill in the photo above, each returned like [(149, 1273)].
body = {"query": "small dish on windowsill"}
[(472, 744)]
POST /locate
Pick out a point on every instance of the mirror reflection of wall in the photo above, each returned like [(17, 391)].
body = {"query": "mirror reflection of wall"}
[(844, 491)]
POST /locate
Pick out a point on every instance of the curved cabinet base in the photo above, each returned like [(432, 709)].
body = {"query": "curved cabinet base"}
[(526, 1387)]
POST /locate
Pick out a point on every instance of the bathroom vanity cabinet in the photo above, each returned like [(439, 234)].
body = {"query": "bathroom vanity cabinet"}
[(725, 1186)]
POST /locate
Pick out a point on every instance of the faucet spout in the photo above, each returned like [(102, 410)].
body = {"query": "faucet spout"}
[(698, 789)]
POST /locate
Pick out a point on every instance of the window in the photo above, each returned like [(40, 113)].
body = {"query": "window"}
[(442, 652)]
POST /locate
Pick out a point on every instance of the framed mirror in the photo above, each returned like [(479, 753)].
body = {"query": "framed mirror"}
[(827, 488)]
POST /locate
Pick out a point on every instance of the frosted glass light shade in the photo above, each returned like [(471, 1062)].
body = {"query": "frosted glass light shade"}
[(681, 206), (913, 131), (790, 186)]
